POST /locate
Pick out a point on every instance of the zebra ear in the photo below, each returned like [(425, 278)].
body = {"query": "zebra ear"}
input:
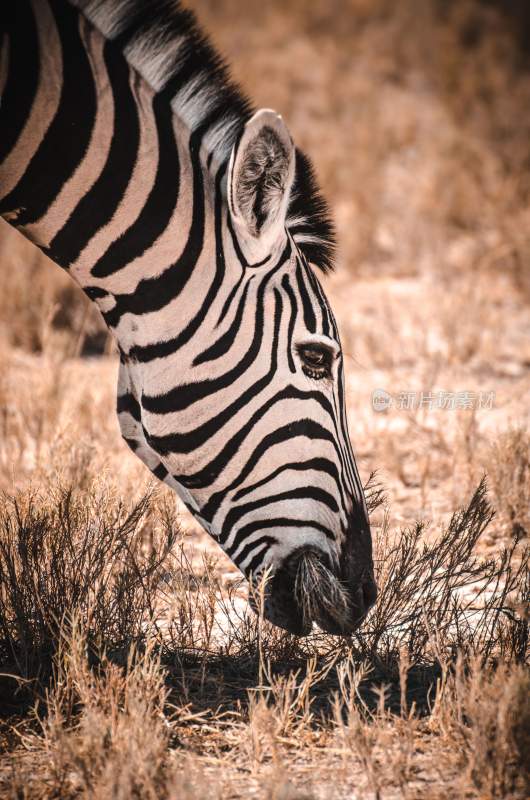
[(260, 177)]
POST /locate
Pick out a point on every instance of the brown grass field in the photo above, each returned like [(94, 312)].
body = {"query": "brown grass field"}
[(130, 665)]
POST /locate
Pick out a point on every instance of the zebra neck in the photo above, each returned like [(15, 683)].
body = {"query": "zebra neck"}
[(100, 171)]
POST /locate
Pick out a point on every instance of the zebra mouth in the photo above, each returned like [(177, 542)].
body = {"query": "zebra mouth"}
[(304, 591)]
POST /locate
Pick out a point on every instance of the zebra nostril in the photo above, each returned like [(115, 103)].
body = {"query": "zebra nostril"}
[(369, 593)]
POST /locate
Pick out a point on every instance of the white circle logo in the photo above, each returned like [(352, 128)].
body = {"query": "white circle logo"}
[(381, 400)]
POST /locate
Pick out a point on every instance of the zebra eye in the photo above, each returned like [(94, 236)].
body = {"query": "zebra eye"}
[(316, 360)]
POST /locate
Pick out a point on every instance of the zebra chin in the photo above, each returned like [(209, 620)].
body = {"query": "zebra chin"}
[(304, 590)]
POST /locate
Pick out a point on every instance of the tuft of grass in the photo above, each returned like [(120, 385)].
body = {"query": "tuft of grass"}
[(509, 475), (104, 734), (495, 729)]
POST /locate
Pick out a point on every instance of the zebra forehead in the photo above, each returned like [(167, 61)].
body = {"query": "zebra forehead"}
[(162, 42)]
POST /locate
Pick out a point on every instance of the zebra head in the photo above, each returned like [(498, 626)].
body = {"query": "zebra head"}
[(266, 463)]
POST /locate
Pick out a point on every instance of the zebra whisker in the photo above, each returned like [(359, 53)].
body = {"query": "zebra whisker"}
[(319, 592)]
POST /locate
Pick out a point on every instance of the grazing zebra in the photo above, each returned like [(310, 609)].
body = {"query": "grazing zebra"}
[(129, 158)]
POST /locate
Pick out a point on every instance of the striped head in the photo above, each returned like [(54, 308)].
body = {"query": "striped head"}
[(263, 457)]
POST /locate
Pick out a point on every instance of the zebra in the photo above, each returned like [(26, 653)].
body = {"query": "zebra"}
[(196, 226)]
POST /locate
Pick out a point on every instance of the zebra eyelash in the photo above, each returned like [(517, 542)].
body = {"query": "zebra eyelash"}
[(316, 359), (317, 376)]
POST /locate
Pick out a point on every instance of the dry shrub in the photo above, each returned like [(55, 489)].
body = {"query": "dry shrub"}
[(67, 552), (509, 474), (442, 588), (485, 713), (191, 604), (362, 732), (32, 408), (106, 732)]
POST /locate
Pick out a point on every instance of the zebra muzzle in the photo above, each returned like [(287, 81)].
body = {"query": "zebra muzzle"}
[(320, 595), (304, 590)]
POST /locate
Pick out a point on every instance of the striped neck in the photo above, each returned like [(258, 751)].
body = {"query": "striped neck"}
[(105, 177), (75, 80)]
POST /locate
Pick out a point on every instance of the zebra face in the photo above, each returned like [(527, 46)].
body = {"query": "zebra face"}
[(297, 492), (265, 462)]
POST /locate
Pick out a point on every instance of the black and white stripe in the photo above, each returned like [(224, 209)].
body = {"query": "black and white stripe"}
[(130, 158)]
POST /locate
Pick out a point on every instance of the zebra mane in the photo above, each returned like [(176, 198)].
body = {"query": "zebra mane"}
[(164, 44)]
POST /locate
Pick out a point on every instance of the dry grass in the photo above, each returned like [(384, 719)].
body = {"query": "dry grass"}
[(131, 664), (42, 310), (510, 476)]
